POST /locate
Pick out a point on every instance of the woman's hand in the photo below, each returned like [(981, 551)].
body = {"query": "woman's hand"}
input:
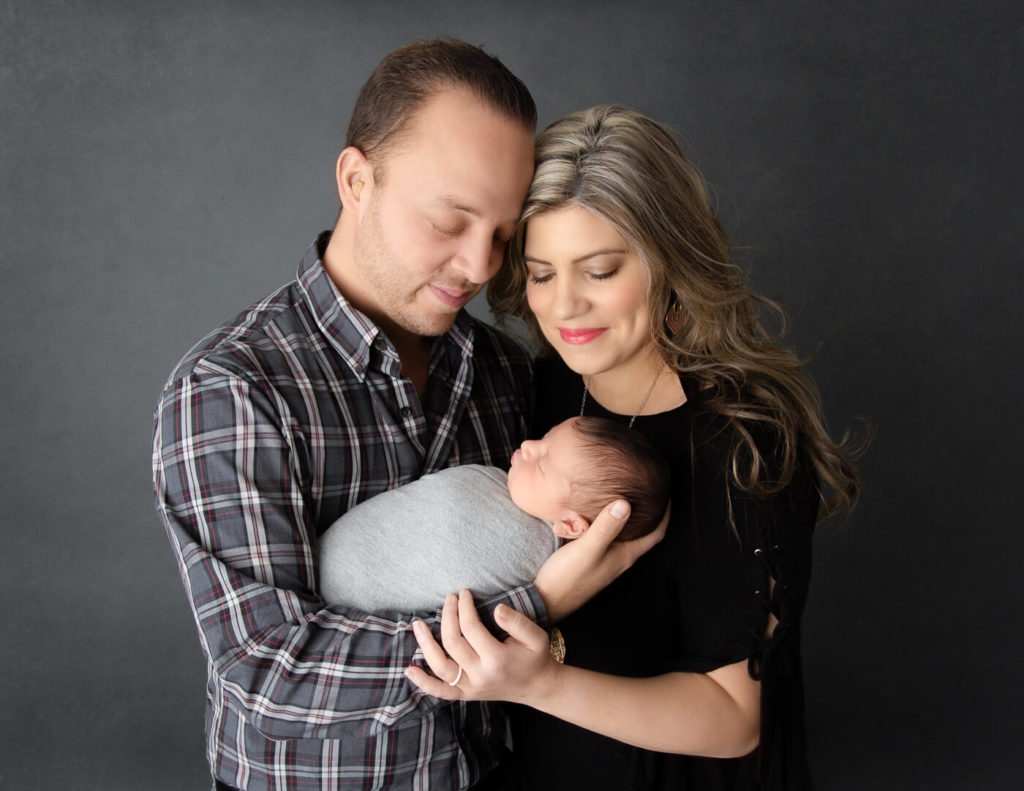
[(715, 714), (519, 669), (577, 571)]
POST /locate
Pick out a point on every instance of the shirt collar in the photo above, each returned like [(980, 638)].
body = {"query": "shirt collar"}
[(352, 332)]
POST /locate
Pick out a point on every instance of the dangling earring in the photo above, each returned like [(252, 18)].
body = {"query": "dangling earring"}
[(674, 319)]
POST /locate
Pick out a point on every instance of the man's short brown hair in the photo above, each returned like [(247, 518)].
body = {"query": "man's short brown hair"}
[(409, 76)]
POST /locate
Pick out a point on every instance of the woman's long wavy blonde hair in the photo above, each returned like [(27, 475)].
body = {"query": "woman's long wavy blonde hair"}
[(629, 170)]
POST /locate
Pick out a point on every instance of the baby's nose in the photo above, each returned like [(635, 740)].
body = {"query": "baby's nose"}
[(528, 449)]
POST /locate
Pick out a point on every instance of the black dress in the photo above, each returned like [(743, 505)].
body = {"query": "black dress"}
[(697, 601)]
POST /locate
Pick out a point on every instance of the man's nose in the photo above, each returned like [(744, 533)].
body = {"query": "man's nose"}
[(479, 258)]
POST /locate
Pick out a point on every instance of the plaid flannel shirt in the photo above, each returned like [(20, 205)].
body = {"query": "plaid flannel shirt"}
[(267, 431)]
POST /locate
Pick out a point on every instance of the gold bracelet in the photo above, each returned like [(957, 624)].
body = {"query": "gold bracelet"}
[(556, 644)]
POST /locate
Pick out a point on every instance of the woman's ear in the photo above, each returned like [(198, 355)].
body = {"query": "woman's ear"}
[(353, 173), (570, 525)]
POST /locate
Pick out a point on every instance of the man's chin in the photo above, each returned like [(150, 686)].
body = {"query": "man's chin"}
[(432, 326)]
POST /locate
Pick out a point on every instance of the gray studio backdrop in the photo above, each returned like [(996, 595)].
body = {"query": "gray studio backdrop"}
[(165, 164)]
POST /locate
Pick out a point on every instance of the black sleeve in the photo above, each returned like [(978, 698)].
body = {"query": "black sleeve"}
[(732, 575), (732, 546)]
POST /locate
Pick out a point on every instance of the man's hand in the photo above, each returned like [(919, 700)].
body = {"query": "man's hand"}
[(584, 566)]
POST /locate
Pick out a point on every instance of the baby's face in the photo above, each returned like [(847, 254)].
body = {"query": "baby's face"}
[(543, 470)]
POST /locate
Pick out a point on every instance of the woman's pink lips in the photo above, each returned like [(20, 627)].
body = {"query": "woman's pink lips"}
[(580, 336), (453, 298)]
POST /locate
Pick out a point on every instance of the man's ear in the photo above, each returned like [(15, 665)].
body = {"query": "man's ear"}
[(570, 525), (354, 175)]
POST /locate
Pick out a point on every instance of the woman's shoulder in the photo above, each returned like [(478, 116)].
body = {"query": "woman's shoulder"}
[(720, 441)]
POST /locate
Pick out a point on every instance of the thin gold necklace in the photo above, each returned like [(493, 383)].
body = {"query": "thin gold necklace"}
[(643, 402)]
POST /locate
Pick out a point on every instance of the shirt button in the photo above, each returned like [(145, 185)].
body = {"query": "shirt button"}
[(406, 412)]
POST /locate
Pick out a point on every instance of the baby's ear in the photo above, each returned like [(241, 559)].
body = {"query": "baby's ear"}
[(571, 525)]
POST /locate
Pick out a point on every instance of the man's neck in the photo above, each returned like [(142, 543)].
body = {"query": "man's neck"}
[(414, 354), (413, 350)]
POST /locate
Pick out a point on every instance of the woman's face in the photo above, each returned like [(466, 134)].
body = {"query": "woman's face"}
[(586, 289)]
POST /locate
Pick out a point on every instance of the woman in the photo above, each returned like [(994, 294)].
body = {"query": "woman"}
[(685, 671)]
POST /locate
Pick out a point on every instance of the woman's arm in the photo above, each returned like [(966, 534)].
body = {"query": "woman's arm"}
[(714, 714)]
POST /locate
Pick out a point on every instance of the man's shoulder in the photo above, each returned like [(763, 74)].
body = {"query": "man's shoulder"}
[(248, 344)]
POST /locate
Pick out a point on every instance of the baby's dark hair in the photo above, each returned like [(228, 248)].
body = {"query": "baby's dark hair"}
[(624, 464)]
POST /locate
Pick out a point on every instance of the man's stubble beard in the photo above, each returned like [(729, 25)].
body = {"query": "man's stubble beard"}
[(383, 273)]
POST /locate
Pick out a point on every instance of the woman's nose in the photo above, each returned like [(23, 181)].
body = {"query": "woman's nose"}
[(569, 301)]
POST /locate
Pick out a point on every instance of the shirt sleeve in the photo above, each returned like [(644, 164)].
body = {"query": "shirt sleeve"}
[(231, 490), (729, 578), (751, 560)]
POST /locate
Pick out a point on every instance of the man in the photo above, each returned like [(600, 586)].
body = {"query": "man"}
[(362, 374)]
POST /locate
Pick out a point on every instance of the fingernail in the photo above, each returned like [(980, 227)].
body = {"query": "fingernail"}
[(619, 509), (500, 612)]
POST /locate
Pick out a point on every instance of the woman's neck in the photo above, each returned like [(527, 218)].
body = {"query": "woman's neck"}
[(623, 390)]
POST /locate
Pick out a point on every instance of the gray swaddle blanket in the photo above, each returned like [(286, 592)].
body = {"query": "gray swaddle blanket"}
[(407, 548)]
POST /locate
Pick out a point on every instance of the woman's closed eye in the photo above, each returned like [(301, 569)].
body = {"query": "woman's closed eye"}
[(540, 275)]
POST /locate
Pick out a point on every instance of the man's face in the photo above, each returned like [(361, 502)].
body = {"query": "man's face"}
[(442, 206)]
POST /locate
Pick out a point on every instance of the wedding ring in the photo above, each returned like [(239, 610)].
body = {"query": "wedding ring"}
[(458, 678)]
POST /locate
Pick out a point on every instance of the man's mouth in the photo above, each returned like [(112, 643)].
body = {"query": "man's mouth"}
[(451, 296)]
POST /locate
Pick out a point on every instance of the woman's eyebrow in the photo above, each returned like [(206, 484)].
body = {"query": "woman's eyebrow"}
[(579, 259)]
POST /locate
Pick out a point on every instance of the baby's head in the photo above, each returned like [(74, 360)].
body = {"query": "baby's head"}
[(580, 466)]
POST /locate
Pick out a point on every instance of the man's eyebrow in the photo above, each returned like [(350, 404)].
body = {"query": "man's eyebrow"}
[(451, 202), (582, 258)]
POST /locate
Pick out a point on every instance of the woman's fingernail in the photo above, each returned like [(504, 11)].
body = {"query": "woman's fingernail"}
[(619, 509)]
